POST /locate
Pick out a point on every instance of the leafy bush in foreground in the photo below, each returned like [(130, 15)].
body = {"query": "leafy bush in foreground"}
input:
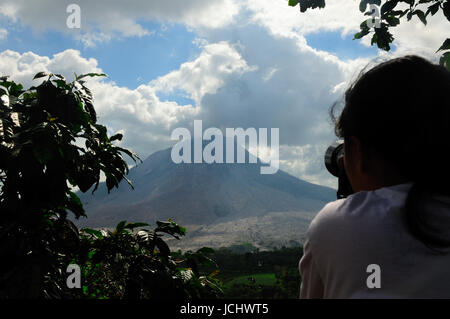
[(138, 264), (50, 143)]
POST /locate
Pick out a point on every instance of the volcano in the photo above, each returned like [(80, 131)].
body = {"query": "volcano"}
[(219, 204)]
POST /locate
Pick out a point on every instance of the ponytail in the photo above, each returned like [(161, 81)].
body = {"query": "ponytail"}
[(418, 222)]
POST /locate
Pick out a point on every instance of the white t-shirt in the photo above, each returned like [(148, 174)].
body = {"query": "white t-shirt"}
[(361, 242)]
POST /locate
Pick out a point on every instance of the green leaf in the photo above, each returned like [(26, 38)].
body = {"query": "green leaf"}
[(410, 2), (162, 247), (446, 9), (40, 75), (361, 34), (115, 137), (445, 46), (61, 84), (131, 154), (393, 21), (388, 7), (12, 88), (121, 226), (93, 232), (90, 75), (383, 37), (59, 76), (421, 15), (111, 181), (363, 6), (311, 4), (364, 26), (91, 111), (170, 228), (75, 205), (433, 9), (374, 39), (445, 60), (409, 15), (293, 3)]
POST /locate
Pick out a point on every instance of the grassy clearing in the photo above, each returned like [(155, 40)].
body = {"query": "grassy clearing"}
[(268, 279)]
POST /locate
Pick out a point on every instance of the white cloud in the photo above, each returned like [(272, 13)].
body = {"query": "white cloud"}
[(307, 161), (22, 67), (93, 38), (280, 19), (207, 73), (290, 87), (103, 19)]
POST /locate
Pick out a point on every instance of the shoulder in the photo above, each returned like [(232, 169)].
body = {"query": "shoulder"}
[(347, 217), (333, 212), (363, 214)]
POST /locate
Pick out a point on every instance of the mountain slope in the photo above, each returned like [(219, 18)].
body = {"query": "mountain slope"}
[(196, 195)]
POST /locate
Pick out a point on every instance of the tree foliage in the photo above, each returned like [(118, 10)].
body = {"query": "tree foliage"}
[(131, 264), (50, 143), (391, 14)]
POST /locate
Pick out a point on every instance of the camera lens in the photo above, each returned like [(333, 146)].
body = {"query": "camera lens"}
[(332, 155)]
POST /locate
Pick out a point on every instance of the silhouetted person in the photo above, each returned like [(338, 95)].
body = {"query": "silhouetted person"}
[(391, 237)]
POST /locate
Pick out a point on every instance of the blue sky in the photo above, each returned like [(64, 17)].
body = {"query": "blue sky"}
[(127, 61), (230, 63), (343, 47)]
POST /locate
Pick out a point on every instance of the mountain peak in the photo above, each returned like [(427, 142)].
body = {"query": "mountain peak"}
[(197, 195)]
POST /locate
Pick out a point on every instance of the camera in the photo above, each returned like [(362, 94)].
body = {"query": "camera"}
[(334, 157)]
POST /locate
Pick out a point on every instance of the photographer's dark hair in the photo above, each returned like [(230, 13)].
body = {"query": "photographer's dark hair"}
[(401, 108)]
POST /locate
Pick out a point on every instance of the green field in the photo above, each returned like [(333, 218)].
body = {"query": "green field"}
[(267, 279), (274, 273)]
